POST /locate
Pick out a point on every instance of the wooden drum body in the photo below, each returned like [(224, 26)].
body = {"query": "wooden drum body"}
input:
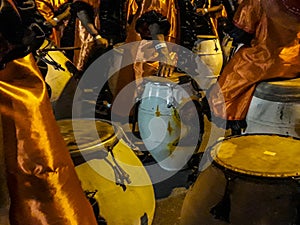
[(159, 121), (59, 76), (275, 108), (253, 180), (208, 48), (110, 171)]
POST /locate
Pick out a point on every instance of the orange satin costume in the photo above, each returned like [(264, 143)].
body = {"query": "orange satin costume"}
[(41, 179), (274, 53), (131, 73), (82, 38), (167, 8)]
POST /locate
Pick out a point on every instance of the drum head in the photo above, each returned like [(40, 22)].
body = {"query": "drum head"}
[(259, 155), (176, 78), (85, 138)]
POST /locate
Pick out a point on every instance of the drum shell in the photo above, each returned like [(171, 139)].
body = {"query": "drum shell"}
[(61, 81), (253, 200), (275, 108), (116, 63), (223, 195), (94, 167), (209, 50), (159, 122)]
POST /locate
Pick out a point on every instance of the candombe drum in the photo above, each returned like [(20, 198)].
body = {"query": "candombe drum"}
[(208, 48), (159, 120), (111, 175), (116, 63), (275, 108), (59, 74), (252, 179)]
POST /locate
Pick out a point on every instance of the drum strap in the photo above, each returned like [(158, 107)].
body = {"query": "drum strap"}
[(221, 210)]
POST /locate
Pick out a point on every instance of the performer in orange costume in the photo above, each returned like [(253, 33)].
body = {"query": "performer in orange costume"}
[(133, 73), (86, 33), (274, 53), (41, 179), (167, 8)]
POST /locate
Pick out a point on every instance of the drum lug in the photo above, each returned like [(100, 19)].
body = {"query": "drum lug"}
[(297, 179)]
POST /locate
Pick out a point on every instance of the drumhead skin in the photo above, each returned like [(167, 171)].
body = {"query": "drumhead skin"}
[(85, 138), (259, 155), (176, 78), (132, 202)]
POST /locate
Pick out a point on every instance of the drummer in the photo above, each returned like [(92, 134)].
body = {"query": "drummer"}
[(151, 25), (36, 167), (74, 26), (274, 53)]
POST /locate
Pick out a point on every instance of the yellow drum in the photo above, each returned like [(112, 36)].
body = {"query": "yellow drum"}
[(208, 48), (252, 179), (59, 76), (110, 173)]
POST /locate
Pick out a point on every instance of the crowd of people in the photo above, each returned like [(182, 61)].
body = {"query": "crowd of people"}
[(36, 161)]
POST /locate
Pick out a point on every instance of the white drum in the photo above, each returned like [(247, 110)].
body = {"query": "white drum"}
[(115, 63), (275, 108), (60, 78), (208, 48), (159, 122)]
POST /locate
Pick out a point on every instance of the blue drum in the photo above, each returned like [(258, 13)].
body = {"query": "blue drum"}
[(160, 124)]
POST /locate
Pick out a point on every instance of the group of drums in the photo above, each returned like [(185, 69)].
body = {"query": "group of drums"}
[(248, 179)]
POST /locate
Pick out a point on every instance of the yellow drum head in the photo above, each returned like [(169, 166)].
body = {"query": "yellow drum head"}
[(287, 83), (259, 155), (176, 78), (207, 37), (85, 136)]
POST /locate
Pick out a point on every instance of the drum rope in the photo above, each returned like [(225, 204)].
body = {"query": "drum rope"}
[(42, 55), (120, 174), (128, 141)]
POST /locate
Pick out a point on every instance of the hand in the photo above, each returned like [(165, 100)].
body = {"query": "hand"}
[(167, 65), (201, 11), (50, 23), (101, 42)]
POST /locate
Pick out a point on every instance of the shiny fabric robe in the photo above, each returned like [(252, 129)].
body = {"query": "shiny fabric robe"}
[(82, 38), (138, 70), (41, 179), (168, 8), (275, 53)]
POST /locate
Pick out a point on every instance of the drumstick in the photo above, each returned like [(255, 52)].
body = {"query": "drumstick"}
[(59, 49)]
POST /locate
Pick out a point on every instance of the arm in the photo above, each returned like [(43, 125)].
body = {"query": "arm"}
[(83, 12), (166, 65), (90, 27), (203, 11)]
